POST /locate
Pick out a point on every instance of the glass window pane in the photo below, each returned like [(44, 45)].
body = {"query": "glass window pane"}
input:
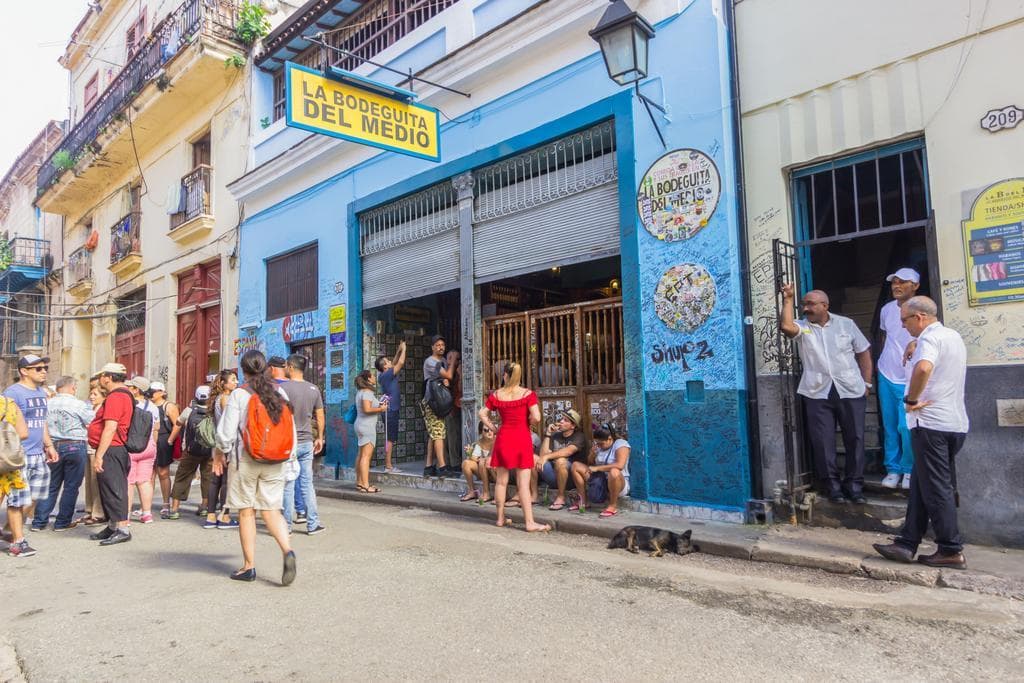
[(802, 198), (914, 184), (892, 195), (824, 205), (867, 194), (845, 212)]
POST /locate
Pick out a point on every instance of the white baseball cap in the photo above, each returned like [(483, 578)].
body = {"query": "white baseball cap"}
[(908, 274), (157, 386), (202, 392)]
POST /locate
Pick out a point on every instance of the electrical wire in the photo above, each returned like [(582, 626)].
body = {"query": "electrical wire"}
[(393, 17), (965, 54)]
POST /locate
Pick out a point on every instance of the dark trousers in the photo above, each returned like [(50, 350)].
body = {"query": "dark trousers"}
[(932, 490), (68, 472), (217, 494), (113, 484), (823, 414)]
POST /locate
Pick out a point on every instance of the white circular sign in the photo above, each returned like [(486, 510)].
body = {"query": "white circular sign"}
[(678, 195), (685, 297)]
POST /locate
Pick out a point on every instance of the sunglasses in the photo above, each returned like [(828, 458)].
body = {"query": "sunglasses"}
[(44, 368)]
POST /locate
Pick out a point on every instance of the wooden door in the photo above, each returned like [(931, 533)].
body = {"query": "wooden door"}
[(130, 351), (199, 323)]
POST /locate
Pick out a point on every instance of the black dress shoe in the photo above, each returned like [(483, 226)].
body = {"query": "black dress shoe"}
[(102, 535), (244, 575), (119, 536), (894, 552), (937, 559), (430, 471)]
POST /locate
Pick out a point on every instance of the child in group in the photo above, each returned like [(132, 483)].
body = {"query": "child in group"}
[(477, 462)]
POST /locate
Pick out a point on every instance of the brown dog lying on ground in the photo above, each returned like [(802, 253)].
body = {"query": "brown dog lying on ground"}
[(658, 541)]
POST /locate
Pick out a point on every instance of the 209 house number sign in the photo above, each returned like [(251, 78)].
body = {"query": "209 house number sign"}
[(1002, 119)]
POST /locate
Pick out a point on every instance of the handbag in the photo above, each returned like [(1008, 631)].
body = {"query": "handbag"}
[(351, 414), (12, 455), (439, 397), (597, 487)]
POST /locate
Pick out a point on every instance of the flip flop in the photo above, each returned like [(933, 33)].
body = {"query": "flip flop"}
[(487, 500), (512, 504), (557, 506), (608, 512), (466, 498), (367, 489), (575, 507)]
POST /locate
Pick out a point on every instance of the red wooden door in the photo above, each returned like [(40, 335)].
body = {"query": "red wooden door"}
[(130, 350), (198, 328)]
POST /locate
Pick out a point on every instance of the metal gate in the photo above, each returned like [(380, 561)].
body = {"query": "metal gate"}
[(799, 475), (572, 357)]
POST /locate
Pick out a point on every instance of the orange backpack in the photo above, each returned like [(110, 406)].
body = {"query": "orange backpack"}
[(266, 441)]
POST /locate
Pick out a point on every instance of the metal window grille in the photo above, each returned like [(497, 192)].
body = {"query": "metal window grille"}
[(131, 311), (880, 191), (424, 214), (552, 171)]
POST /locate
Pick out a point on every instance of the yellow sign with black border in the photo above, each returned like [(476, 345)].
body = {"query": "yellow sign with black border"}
[(323, 105)]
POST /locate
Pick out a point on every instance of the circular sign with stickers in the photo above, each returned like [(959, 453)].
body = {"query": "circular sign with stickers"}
[(678, 195), (685, 297)]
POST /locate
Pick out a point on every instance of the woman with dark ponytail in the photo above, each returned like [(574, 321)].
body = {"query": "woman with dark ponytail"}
[(254, 485), (513, 446)]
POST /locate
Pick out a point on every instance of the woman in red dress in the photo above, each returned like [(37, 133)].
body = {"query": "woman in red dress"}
[(513, 447)]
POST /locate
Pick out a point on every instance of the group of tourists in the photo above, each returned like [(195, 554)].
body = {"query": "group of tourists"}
[(127, 437), (921, 373), (559, 458)]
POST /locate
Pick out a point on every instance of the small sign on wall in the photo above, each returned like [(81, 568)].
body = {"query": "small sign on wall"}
[(1006, 118)]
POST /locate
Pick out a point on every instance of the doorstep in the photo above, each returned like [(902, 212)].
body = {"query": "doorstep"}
[(994, 571)]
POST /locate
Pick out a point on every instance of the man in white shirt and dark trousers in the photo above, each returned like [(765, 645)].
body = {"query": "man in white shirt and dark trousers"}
[(836, 359), (938, 424), (892, 380)]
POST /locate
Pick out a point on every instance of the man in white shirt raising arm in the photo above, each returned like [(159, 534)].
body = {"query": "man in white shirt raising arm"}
[(938, 424), (837, 377)]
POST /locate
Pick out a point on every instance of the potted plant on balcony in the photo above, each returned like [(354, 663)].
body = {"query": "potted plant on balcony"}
[(6, 255)]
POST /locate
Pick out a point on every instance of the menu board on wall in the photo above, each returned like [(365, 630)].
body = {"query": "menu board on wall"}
[(994, 244)]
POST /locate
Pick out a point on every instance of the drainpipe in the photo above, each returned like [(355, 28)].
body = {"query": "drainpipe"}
[(754, 431)]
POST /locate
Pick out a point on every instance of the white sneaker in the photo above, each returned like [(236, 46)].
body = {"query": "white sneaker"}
[(891, 481), (906, 482)]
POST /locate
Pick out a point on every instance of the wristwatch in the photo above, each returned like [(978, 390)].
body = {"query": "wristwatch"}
[(869, 385), (908, 401)]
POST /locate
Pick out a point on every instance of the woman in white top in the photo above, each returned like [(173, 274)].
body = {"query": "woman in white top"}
[(367, 410), (609, 457), (254, 485), (475, 464)]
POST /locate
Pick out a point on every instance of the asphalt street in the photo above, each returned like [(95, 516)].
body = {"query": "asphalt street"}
[(402, 594)]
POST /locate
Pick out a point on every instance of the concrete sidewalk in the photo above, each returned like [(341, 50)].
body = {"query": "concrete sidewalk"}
[(994, 571)]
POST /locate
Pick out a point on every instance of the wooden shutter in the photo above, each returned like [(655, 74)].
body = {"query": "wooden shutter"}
[(292, 282)]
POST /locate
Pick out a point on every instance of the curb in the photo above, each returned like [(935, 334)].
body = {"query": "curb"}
[(755, 548)]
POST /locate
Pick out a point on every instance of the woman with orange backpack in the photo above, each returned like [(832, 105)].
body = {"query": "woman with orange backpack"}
[(256, 437)]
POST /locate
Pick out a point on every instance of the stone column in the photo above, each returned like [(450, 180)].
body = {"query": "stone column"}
[(463, 185)]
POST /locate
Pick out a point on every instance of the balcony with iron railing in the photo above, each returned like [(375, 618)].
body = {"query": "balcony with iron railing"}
[(19, 330), (126, 244), (78, 272), (203, 29), (194, 217), (378, 25), (23, 262)]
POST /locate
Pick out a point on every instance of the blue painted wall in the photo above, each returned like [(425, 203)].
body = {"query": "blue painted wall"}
[(689, 440)]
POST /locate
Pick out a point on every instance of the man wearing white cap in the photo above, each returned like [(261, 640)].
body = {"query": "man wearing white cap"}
[(892, 380)]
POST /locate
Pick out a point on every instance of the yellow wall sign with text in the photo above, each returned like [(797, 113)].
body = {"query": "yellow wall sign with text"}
[(323, 105), (994, 241)]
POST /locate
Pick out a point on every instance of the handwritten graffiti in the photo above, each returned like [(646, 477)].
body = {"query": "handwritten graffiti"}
[(247, 343), (680, 352), (767, 331), (761, 269), (767, 216)]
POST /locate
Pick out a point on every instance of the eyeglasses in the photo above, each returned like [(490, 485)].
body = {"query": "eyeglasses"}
[(905, 318)]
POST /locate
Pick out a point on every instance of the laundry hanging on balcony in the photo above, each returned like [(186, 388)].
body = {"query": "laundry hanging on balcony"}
[(175, 199)]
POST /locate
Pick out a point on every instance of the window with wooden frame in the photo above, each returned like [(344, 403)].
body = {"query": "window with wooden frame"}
[(136, 33), (292, 282), (92, 90)]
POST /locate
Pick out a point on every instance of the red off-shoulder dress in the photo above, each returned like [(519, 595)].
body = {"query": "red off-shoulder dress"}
[(513, 445)]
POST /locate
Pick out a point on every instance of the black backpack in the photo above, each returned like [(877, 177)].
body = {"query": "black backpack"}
[(193, 444), (140, 429), (439, 397)]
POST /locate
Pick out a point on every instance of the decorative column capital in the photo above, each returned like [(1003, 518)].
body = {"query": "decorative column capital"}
[(463, 184)]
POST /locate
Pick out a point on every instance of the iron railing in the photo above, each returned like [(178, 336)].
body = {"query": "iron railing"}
[(171, 36), (29, 252), (17, 333), (373, 29), (195, 196), (126, 238), (79, 268)]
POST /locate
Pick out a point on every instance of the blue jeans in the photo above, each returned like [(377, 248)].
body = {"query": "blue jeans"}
[(300, 502), (68, 471), (899, 455), (304, 453)]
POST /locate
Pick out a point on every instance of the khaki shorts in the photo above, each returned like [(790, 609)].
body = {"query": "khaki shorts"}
[(435, 425), (255, 485)]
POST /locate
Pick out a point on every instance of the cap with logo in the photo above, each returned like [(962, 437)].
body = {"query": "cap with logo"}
[(906, 274), (31, 359), (202, 392), (139, 382)]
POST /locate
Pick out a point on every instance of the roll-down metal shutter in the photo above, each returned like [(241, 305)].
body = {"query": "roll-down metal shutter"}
[(410, 247), (555, 205)]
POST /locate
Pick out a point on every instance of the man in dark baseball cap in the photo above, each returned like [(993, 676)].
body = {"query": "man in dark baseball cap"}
[(275, 366)]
